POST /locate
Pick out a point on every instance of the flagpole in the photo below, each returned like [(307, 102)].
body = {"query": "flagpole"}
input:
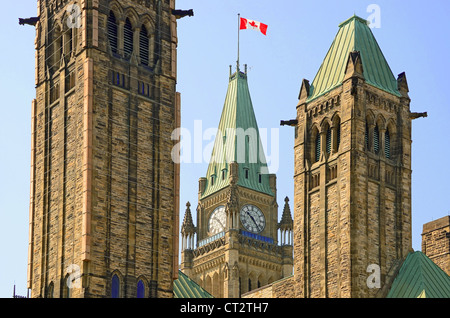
[(239, 22)]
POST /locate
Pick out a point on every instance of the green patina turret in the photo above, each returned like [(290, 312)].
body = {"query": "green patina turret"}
[(238, 140), (354, 35)]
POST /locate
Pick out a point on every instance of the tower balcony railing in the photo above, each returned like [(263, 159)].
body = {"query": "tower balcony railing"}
[(210, 244), (265, 239), (210, 239), (248, 238)]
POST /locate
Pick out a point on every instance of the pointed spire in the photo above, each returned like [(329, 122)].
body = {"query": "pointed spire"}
[(188, 225), (237, 141), (286, 223), (354, 35)]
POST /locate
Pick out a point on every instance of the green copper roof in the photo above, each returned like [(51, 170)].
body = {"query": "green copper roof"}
[(184, 287), (238, 140), (354, 35), (420, 277)]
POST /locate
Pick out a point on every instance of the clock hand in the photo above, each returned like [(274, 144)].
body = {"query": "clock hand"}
[(248, 213), (219, 222)]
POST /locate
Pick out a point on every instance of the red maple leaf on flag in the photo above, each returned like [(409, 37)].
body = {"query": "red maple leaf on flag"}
[(253, 24)]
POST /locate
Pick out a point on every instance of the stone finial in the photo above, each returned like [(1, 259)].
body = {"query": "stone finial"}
[(188, 225), (286, 222), (304, 91), (402, 84)]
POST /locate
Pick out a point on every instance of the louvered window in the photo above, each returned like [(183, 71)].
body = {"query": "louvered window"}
[(338, 137), (112, 32), (376, 140), (128, 39), (317, 150), (143, 46), (366, 136), (387, 144), (328, 140)]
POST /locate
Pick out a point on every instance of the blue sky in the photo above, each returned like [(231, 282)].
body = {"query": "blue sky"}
[(414, 37)]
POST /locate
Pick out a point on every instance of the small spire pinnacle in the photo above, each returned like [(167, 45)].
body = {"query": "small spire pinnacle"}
[(286, 222), (188, 225)]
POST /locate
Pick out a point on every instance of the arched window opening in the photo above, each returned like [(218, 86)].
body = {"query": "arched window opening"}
[(112, 32), (317, 148), (376, 140), (66, 288), (56, 47), (115, 287), (128, 39), (144, 46), (68, 42), (338, 136), (387, 144), (140, 289), (366, 136), (328, 140), (50, 290)]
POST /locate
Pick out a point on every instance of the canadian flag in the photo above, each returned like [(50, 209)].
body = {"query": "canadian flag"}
[(253, 25)]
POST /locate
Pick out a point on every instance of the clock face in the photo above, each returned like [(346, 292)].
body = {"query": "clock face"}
[(217, 220), (252, 218)]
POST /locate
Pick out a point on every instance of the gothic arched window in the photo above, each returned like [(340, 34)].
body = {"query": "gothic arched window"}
[(366, 136), (387, 144), (128, 38), (144, 46), (112, 32), (338, 136), (66, 288), (328, 140), (115, 286), (317, 148), (50, 290), (376, 139), (140, 289)]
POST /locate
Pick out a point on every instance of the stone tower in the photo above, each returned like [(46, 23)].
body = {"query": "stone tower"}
[(352, 179), (436, 242), (237, 248), (103, 210)]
